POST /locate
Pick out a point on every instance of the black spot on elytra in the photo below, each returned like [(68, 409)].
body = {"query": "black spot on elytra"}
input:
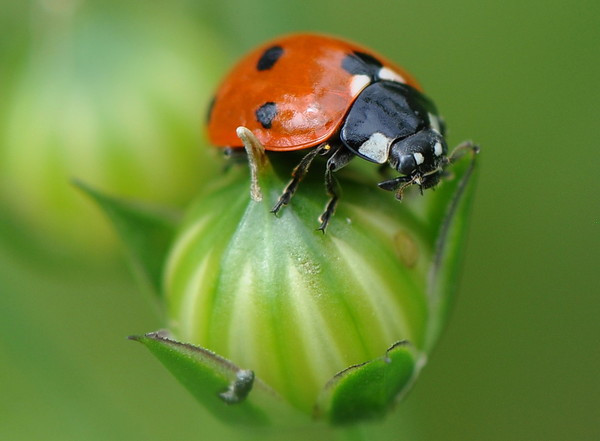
[(269, 58), (266, 113), (359, 63), (211, 106)]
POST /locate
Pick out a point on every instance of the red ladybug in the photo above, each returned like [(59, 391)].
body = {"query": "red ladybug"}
[(336, 99)]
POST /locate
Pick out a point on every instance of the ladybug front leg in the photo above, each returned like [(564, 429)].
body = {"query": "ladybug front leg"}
[(297, 174), (398, 184), (338, 159)]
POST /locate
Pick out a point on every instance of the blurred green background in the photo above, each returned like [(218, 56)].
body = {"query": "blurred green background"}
[(99, 90)]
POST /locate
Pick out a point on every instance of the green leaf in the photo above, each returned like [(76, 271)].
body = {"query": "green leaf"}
[(147, 233), (368, 390), (230, 393)]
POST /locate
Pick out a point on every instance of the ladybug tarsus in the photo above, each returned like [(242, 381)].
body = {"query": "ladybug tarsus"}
[(333, 192)]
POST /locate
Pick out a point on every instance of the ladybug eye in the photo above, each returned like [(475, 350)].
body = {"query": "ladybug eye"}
[(407, 164)]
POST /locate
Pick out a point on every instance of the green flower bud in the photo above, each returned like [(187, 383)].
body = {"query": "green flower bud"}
[(295, 306), (271, 321)]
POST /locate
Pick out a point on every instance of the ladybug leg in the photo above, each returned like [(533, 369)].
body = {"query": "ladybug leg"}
[(333, 190), (297, 174), (234, 156), (401, 188), (336, 161), (398, 184), (394, 184)]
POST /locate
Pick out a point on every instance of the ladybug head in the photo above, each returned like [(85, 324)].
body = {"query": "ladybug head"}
[(419, 155)]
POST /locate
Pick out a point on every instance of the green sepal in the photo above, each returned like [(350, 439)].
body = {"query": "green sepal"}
[(449, 210), (368, 390), (232, 394), (147, 233)]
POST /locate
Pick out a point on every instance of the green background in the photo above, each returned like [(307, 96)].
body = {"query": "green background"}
[(521, 356)]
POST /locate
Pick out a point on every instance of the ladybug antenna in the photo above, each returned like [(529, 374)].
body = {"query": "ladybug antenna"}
[(462, 149)]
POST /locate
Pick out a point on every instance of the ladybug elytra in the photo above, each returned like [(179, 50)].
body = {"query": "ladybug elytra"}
[(339, 100)]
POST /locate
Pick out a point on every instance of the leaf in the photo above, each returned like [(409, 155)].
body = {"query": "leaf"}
[(368, 390), (146, 232), (230, 393)]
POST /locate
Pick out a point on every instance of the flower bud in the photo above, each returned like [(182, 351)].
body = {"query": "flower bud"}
[(304, 310)]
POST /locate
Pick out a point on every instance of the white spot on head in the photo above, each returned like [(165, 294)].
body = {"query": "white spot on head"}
[(358, 83), (388, 74), (419, 158), (376, 148), (438, 149)]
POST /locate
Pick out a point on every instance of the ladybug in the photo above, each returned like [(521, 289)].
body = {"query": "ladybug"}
[(337, 100)]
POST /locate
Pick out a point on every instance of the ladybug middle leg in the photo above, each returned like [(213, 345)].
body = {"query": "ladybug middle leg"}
[(297, 174), (339, 158)]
